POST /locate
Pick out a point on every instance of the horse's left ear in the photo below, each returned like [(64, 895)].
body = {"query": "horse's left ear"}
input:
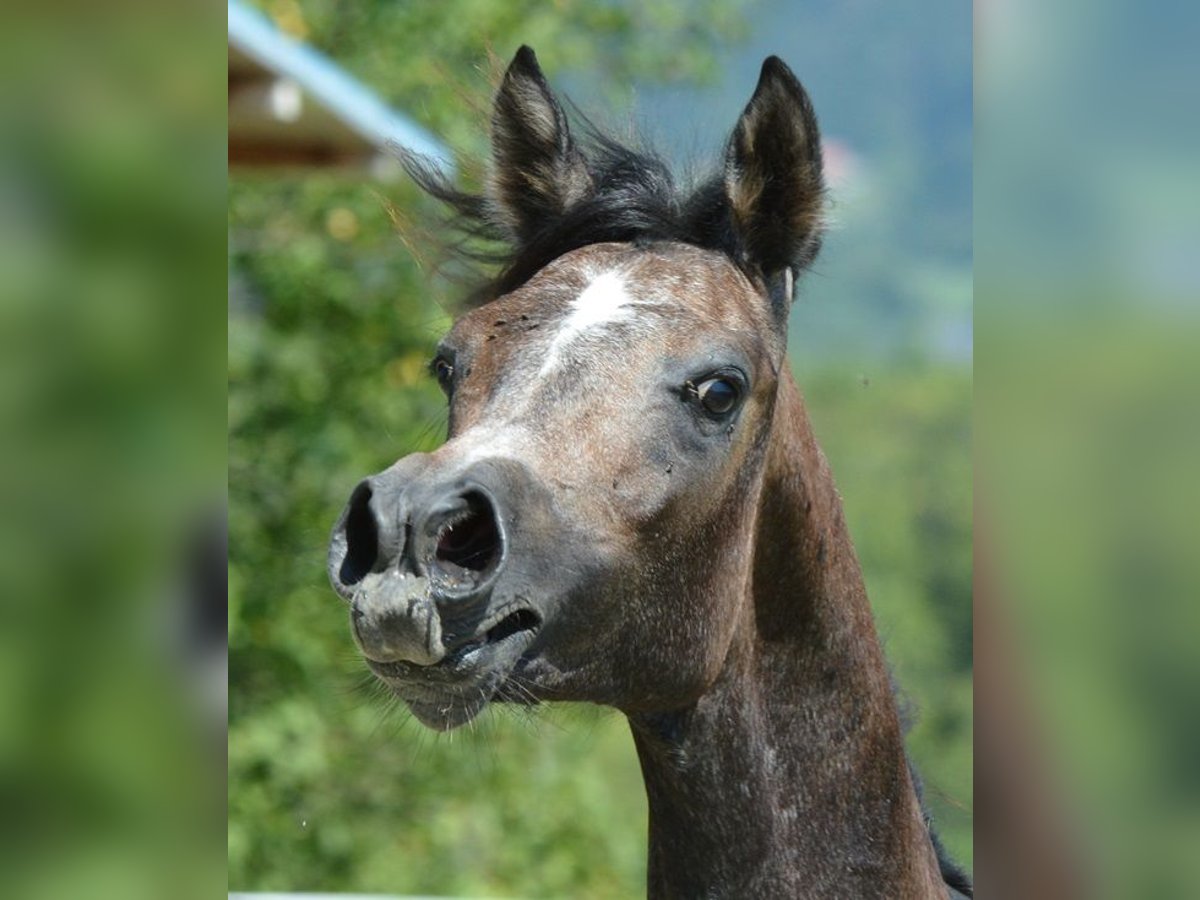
[(773, 180), (537, 170)]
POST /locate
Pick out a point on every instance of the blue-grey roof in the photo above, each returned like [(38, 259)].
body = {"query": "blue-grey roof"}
[(356, 105)]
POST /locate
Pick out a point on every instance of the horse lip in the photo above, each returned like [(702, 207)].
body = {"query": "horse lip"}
[(467, 650), (454, 690), (515, 608), (393, 618)]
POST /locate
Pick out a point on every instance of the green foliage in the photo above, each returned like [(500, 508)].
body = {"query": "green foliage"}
[(1092, 424)]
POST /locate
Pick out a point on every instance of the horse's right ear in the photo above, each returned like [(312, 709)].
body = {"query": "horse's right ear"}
[(773, 180), (537, 171)]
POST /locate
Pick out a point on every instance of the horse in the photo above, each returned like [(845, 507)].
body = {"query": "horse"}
[(631, 509)]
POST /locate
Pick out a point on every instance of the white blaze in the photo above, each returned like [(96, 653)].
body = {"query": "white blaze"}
[(602, 302), (488, 442)]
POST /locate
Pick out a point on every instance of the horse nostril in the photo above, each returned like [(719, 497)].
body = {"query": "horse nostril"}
[(362, 537), (469, 542)]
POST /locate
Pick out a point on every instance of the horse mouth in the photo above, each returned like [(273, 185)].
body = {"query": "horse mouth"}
[(474, 672)]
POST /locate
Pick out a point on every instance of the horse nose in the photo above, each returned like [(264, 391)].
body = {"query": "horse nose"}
[(448, 531), (369, 537), (413, 551), (459, 542)]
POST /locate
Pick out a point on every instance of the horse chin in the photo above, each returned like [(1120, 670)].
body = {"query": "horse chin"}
[(459, 687), (452, 714)]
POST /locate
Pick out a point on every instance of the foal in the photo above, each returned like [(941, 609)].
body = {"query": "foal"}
[(631, 509)]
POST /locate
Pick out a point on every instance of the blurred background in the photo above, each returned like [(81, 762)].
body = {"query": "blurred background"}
[(1087, 434), (112, 451), (336, 305)]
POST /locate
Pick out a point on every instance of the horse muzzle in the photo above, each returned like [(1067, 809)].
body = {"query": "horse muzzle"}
[(419, 554)]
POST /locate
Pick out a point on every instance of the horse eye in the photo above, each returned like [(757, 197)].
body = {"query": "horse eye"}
[(443, 371), (718, 396)]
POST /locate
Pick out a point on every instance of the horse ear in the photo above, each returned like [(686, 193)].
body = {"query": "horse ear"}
[(537, 171), (773, 179)]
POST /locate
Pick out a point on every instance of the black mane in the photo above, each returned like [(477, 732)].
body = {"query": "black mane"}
[(635, 199)]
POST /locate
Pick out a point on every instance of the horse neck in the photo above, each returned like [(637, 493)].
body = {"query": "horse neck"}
[(788, 777)]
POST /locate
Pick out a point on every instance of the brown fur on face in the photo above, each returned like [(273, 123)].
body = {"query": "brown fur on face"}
[(612, 428)]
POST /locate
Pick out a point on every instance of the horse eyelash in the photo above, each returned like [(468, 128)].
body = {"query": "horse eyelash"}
[(432, 366)]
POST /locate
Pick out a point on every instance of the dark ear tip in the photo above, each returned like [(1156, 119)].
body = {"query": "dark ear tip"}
[(775, 66), (776, 72), (525, 61)]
